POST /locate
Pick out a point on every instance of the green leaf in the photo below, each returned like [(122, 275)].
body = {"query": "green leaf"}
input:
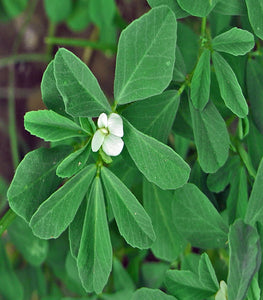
[(75, 162), (179, 72), (79, 88), (10, 286), (145, 70), (260, 272), (158, 204), (35, 179), (199, 8), (155, 115), (255, 203), (57, 10), (211, 137), (200, 84), (197, 220), (255, 90), (79, 19), (207, 273), (255, 12), (235, 41), (102, 12), (32, 248), (244, 259), (51, 126), (153, 273), (15, 7), (233, 7), (230, 89), (95, 253), (173, 5), (122, 279), (158, 162), (133, 222), (50, 94), (57, 212), (151, 294)]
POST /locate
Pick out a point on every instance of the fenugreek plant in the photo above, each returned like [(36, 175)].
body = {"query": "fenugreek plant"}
[(167, 175)]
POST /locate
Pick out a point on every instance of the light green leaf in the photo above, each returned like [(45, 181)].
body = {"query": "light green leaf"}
[(255, 90), (155, 115), (57, 10), (200, 84), (133, 222), (79, 88), (32, 248), (235, 41), (207, 273), (173, 5), (145, 71), (158, 162), (35, 179), (75, 162), (255, 12), (50, 94), (158, 204), (51, 126), (95, 253), (230, 89), (244, 260), (151, 294), (14, 7), (255, 203), (197, 220), (57, 212), (200, 8), (122, 279), (211, 137)]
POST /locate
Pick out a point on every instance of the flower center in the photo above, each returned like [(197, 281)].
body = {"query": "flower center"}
[(104, 131)]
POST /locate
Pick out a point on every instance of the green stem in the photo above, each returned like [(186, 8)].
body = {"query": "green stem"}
[(203, 27), (7, 219), (25, 57), (80, 43), (246, 159), (51, 33)]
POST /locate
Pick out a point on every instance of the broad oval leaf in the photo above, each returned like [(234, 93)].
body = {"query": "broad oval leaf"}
[(230, 89), (158, 162), (154, 116), (173, 5), (79, 88), (158, 204), (200, 8), (151, 294), (211, 137), (200, 84), (95, 253), (145, 71), (57, 212), (255, 12), (51, 126), (133, 222), (244, 259), (197, 220), (35, 180), (235, 41)]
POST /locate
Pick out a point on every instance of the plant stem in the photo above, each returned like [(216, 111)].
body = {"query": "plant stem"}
[(80, 43), (25, 57), (6, 220), (203, 27), (246, 159)]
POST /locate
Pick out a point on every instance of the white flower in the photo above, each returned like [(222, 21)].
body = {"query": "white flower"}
[(108, 135)]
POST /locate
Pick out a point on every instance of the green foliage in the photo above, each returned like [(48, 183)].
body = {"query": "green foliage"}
[(197, 8), (255, 11), (14, 8), (57, 10)]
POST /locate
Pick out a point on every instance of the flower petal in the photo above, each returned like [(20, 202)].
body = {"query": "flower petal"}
[(115, 125), (112, 145), (102, 120), (97, 141)]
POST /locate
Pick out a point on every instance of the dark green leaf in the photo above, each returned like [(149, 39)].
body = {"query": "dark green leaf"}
[(14, 7), (35, 179), (133, 222), (151, 294), (95, 252), (235, 41), (145, 71), (158, 204), (233, 7), (179, 72), (79, 19), (153, 273), (122, 279), (158, 162), (75, 162), (102, 12), (211, 137), (79, 88), (230, 89), (58, 10), (155, 115), (197, 220), (244, 260), (199, 8), (51, 126), (200, 84), (173, 5), (57, 212), (255, 12), (207, 273)]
